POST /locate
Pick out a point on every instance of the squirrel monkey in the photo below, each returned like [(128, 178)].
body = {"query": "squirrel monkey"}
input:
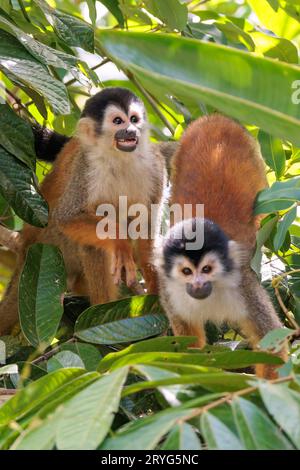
[(218, 164), (110, 156)]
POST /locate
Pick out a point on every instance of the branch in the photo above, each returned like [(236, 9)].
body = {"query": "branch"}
[(52, 352), (10, 239), (7, 391)]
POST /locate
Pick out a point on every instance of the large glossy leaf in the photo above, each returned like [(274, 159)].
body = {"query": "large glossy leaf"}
[(64, 359), (22, 67), (44, 418), (283, 405), (122, 321), (255, 428), (233, 81), (217, 435), (16, 136), (18, 188), (87, 417), (42, 284), (45, 54), (281, 195)]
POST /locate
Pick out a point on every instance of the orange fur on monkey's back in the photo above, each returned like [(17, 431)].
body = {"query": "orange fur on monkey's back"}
[(219, 164)]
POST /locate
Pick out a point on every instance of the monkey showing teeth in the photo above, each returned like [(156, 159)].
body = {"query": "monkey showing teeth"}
[(218, 164), (107, 158)]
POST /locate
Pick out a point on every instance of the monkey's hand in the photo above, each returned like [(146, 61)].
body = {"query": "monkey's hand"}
[(122, 257)]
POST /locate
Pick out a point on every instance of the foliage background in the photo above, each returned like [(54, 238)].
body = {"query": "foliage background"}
[(93, 380)]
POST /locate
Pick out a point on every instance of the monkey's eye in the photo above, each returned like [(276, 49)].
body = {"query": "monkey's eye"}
[(206, 269), (118, 121), (187, 271), (134, 119)]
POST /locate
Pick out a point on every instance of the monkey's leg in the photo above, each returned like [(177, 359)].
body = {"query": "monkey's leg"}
[(261, 319), (96, 266), (145, 252), (9, 309), (182, 328)]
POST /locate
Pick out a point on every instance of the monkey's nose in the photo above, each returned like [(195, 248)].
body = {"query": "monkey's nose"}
[(199, 292)]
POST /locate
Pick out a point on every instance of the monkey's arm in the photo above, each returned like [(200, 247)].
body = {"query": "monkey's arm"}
[(82, 230)]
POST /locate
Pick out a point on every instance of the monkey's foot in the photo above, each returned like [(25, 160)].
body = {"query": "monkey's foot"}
[(120, 260)]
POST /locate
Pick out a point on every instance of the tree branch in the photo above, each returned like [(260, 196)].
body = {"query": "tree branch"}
[(10, 239)]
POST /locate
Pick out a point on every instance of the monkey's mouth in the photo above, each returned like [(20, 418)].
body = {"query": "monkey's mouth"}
[(127, 145)]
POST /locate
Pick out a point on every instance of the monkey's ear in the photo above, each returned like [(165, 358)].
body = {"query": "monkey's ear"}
[(86, 131), (237, 253)]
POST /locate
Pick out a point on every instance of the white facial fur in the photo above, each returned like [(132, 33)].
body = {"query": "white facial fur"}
[(113, 173), (223, 304)]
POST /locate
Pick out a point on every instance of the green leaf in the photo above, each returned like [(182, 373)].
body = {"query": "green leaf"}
[(283, 228), (280, 196), (73, 31), (18, 188), (273, 153), (64, 359), (273, 339), (122, 321), (42, 284), (256, 430), (217, 435), (16, 136), (226, 360), (92, 11), (35, 393), (283, 405), (41, 437), (276, 20), (115, 10), (277, 48), (87, 417), (171, 12), (192, 70), (145, 433), (163, 344), (89, 354), (22, 67), (212, 381), (182, 437)]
